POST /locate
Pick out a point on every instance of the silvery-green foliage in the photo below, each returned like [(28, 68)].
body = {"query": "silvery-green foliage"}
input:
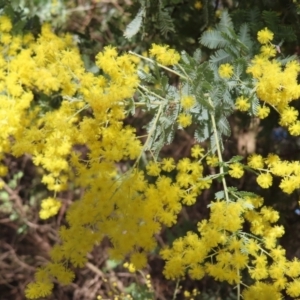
[(199, 77)]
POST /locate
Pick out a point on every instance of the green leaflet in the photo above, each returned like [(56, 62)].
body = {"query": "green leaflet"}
[(134, 26), (213, 39)]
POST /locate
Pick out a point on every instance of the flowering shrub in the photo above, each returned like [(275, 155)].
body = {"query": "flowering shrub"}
[(131, 207)]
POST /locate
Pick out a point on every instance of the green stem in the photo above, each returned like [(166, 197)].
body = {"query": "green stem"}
[(149, 135), (149, 92), (183, 70), (238, 296), (219, 152), (176, 288), (160, 65), (78, 111)]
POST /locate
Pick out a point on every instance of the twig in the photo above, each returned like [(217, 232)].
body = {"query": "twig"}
[(160, 65), (176, 290), (219, 153)]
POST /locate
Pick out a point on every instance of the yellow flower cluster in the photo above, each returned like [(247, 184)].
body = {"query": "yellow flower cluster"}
[(5, 24), (164, 55), (52, 65), (50, 207), (43, 285), (222, 250), (126, 208), (130, 267), (198, 5), (192, 294), (290, 173), (273, 165), (276, 84), (129, 214)]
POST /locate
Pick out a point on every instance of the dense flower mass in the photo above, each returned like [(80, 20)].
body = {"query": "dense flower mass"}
[(223, 250), (51, 64), (277, 85), (130, 208)]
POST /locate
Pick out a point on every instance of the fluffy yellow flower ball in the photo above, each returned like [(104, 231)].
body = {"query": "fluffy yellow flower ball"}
[(264, 36), (226, 71)]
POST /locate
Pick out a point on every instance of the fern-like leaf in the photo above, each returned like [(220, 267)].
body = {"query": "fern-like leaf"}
[(220, 57), (213, 39), (244, 36), (197, 55), (225, 21), (202, 133), (166, 24), (224, 127), (134, 26)]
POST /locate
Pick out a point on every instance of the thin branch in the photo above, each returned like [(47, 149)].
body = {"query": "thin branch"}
[(160, 65), (219, 153), (176, 290)]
